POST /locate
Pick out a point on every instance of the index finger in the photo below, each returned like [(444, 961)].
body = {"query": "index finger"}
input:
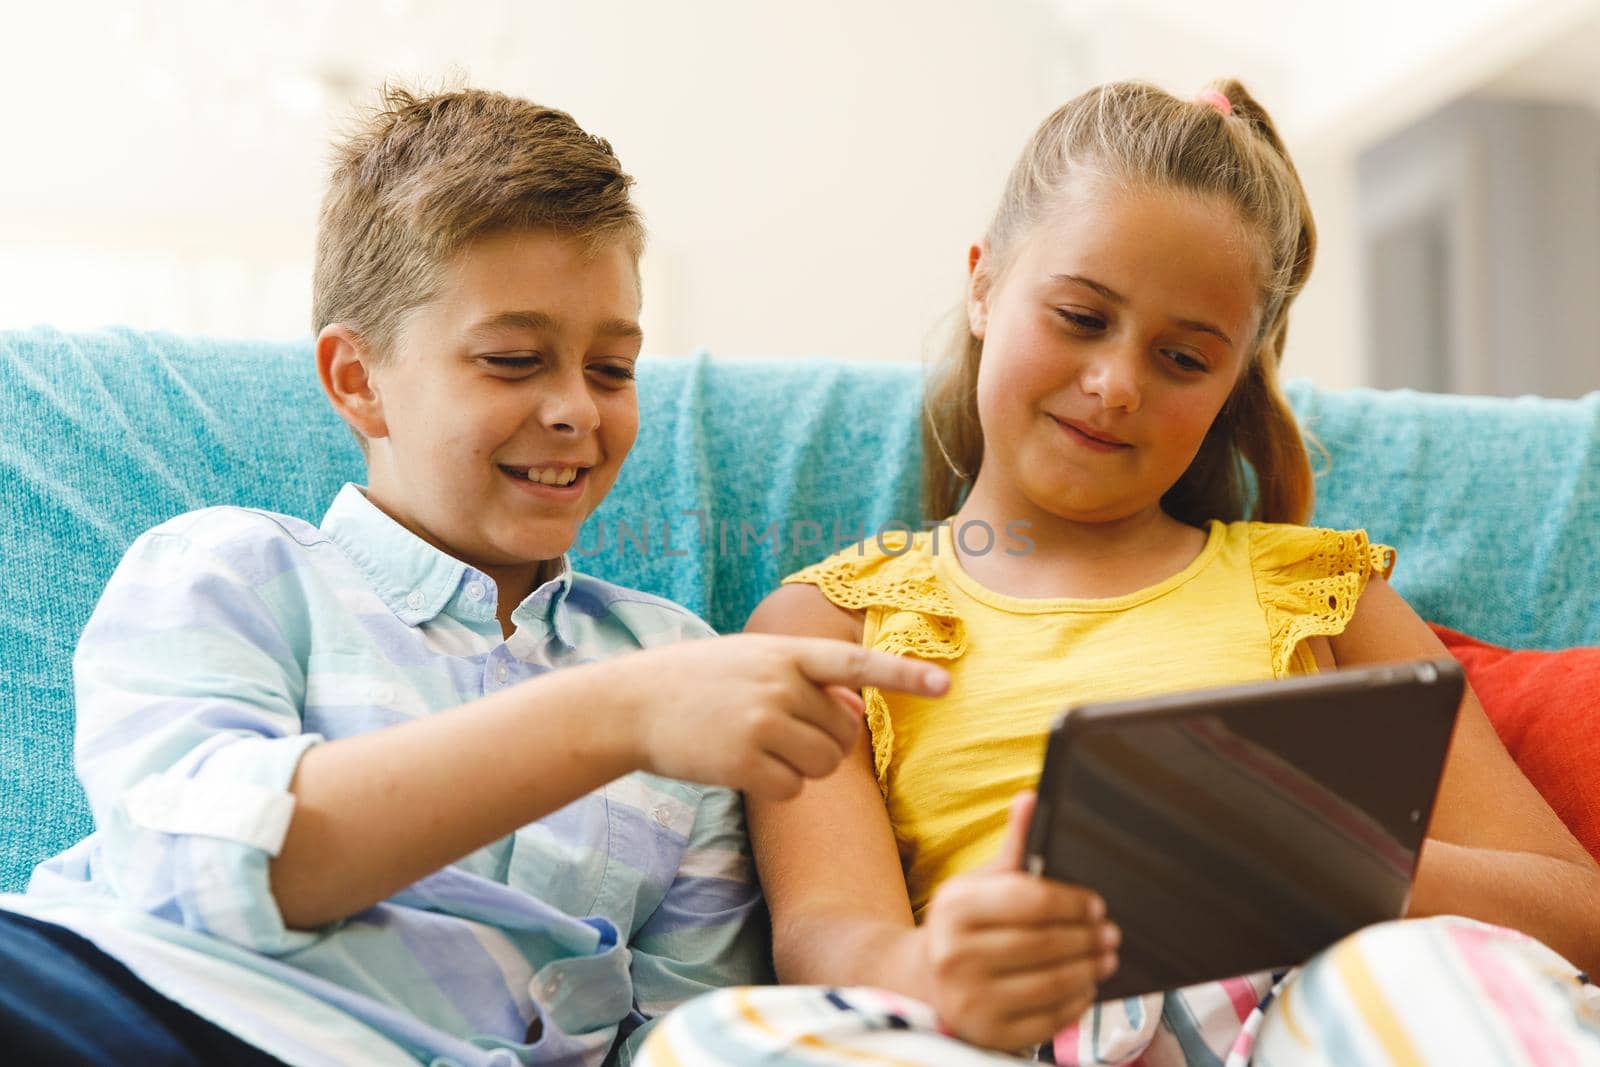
[(825, 661)]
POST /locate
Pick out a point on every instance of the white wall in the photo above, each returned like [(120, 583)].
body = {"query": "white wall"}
[(811, 176), (1337, 78), (812, 173)]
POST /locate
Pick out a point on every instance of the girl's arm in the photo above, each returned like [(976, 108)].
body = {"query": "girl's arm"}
[(1007, 959), (827, 858), (1495, 851)]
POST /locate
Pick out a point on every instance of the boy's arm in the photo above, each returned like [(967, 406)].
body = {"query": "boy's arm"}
[(376, 812), (219, 812), (188, 730), (216, 810)]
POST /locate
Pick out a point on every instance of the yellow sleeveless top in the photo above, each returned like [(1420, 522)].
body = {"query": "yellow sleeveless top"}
[(948, 767)]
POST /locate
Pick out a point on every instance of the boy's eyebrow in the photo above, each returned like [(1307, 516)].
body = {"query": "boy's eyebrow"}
[(545, 323), (1117, 298)]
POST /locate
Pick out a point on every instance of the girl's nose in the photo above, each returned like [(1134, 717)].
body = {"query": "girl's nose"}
[(1113, 377)]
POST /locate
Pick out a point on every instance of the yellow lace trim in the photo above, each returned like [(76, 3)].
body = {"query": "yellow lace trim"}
[(1315, 594), (916, 618)]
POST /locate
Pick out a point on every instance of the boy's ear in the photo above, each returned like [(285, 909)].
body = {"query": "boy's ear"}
[(979, 282), (344, 365)]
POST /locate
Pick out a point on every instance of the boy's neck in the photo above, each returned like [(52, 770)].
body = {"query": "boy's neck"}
[(516, 586), (513, 584)]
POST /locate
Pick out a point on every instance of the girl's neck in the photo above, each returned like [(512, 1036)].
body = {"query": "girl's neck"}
[(1070, 558)]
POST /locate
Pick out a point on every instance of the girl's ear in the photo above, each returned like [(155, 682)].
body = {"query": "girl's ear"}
[(980, 280), (344, 366)]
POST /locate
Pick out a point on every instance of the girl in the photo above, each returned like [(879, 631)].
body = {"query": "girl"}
[(1116, 388)]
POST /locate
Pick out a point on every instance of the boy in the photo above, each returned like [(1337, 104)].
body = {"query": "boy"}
[(400, 787)]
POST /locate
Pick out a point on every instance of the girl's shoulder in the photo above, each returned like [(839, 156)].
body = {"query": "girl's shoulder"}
[(894, 569), (1289, 551), (1308, 580), (885, 593), (891, 585)]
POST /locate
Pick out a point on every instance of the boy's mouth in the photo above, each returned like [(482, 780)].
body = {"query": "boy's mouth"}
[(556, 477)]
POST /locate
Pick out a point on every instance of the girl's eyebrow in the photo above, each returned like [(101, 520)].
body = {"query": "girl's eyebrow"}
[(1117, 298), (1104, 290)]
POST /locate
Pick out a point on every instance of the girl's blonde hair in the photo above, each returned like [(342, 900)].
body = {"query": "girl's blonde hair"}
[(1139, 135)]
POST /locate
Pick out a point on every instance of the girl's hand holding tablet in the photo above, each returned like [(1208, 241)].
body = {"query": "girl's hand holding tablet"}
[(1011, 959)]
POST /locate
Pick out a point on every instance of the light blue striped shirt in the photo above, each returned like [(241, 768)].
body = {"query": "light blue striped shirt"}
[(227, 643)]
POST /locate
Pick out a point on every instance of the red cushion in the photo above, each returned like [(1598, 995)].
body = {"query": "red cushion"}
[(1546, 708)]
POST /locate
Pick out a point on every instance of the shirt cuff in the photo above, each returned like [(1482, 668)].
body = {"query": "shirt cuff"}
[(218, 827)]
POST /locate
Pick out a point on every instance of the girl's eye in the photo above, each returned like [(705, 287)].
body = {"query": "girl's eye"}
[(1080, 320), (1184, 361)]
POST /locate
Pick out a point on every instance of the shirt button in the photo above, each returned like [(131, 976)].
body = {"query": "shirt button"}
[(660, 814), (552, 986), (501, 672), (414, 601), (476, 590)]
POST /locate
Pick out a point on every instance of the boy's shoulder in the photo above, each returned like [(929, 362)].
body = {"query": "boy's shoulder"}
[(224, 523), (652, 619), (254, 542)]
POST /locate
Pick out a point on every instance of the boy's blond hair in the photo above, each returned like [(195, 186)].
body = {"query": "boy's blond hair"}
[(425, 175)]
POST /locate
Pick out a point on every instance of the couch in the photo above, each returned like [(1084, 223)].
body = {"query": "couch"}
[(743, 472)]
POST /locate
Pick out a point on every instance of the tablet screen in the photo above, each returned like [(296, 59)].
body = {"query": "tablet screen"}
[(1249, 836)]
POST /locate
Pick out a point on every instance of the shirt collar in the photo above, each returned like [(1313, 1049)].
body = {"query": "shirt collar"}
[(418, 581)]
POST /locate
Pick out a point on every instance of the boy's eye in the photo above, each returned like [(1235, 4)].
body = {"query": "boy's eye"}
[(511, 362), (619, 372)]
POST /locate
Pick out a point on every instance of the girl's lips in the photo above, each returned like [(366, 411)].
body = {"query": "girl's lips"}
[(1083, 436), (549, 492)]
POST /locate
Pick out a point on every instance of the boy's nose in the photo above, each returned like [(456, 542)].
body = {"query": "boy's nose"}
[(568, 408)]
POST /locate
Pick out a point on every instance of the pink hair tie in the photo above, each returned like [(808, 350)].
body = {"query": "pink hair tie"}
[(1215, 99)]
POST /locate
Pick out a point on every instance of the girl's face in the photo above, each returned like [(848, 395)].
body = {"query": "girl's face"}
[(1109, 346)]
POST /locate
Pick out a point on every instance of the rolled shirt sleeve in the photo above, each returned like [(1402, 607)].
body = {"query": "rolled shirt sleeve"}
[(189, 692)]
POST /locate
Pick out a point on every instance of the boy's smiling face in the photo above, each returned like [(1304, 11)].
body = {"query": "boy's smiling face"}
[(502, 417)]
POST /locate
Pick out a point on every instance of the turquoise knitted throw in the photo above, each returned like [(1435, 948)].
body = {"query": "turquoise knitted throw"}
[(743, 472)]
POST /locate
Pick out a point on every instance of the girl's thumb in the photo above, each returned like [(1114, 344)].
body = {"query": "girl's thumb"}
[(1015, 846)]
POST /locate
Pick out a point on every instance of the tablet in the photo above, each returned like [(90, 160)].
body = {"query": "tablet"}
[(1245, 828)]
